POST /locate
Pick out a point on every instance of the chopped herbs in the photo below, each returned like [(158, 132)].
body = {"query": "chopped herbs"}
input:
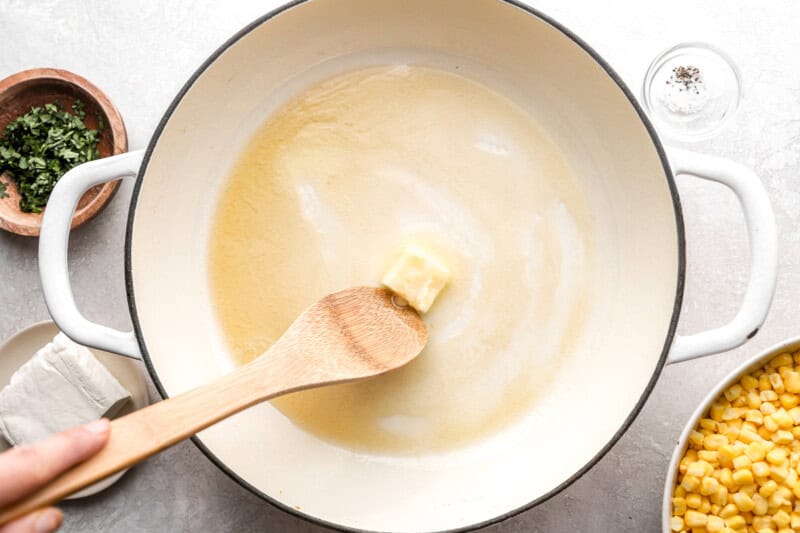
[(39, 147)]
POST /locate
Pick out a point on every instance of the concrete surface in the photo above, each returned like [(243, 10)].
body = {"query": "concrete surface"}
[(140, 52)]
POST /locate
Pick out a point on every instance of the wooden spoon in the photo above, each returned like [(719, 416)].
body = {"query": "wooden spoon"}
[(346, 336)]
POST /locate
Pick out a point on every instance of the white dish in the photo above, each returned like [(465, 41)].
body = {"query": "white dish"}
[(24, 344)]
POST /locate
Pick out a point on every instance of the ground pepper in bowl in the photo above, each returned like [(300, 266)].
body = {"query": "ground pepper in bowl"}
[(39, 147)]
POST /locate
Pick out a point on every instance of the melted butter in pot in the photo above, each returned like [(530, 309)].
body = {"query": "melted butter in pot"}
[(346, 174)]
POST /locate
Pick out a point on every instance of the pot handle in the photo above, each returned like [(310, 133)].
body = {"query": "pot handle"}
[(53, 245), (763, 237)]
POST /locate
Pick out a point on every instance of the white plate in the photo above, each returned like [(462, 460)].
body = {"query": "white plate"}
[(23, 345)]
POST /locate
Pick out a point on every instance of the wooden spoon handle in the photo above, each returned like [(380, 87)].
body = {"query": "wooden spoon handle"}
[(150, 430)]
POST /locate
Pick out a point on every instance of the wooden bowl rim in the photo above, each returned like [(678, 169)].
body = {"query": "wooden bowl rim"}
[(115, 124)]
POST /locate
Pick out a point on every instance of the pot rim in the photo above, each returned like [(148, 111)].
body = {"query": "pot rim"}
[(751, 363), (679, 227)]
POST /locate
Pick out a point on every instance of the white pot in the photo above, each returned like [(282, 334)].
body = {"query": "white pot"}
[(752, 364), (606, 138)]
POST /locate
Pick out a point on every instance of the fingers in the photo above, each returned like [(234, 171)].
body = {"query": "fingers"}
[(26, 468), (44, 521)]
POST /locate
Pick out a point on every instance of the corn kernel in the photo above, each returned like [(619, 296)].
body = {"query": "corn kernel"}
[(789, 401), (760, 505), (763, 382), (732, 413), (768, 488), (733, 392), (765, 433), (694, 500), (748, 382), (786, 530), (755, 416), (720, 498), (782, 518), (716, 411), (726, 454), (795, 520), (708, 486), (695, 519), (783, 419), (777, 383), (761, 522), (767, 408), (753, 400), (735, 522), (729, 511), (707, 423), (743, 461), (792, 382), (756, 451), (676, 523), (714, 442), (740, 477), (690, 483), (743, 502), (760, 469), (705, 506), (778, 473), (678, 505), (770, 395), (750, 489), (784, 359), (747, 436), (715, 524), (777, 456), (782, 437), (708, 456), (770, 423), (726, 478)]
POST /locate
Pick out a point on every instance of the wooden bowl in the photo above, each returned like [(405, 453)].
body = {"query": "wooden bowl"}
[(24, 90)]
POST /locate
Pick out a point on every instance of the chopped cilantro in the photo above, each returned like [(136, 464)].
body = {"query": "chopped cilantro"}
[(39, 147)]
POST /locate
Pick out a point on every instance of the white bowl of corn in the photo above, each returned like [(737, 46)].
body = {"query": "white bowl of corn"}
[(736, 468)]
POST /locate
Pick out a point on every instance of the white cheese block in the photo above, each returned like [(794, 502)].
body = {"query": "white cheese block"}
[(62, 386)]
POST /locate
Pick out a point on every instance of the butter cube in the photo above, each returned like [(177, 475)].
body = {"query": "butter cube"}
[(417, 277)]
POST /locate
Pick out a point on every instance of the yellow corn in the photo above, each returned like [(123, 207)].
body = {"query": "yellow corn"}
[(768, 488), (715, 524), (708, 486), (782, 519), (743, 502), (789, 400), (695, 519), (782, 437), (741, 470), (783, 418), (748, 382), (693, 500), (740, 477), (777, 456), (676, 523), (733, 392), (728, 511)]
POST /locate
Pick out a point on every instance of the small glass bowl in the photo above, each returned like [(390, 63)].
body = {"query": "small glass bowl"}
[(691, 91)]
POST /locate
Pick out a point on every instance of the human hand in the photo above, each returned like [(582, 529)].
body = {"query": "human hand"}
[(26, 468)]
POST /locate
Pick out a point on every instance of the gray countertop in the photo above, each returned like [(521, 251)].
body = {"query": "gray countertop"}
[(140, 52)]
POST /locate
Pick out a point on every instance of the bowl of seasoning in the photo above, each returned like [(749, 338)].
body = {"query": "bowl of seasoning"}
[(52, 120)]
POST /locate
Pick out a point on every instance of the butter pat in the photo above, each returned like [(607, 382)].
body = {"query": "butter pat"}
[(417, 277), (62, 386)]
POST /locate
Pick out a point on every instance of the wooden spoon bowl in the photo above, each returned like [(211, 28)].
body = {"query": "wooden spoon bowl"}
[(24, 90)]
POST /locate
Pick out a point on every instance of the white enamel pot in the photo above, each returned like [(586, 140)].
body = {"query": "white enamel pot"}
[(600, 129), (751, 365)]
